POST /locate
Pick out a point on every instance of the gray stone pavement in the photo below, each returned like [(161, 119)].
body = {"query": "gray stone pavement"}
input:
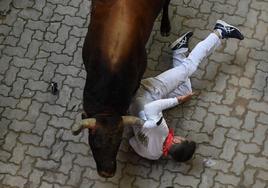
[(41, 41)]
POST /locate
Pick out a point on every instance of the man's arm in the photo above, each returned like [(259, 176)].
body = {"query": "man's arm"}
[(153, 109)]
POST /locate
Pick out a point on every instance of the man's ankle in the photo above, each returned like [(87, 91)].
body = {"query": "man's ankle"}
[(218, 33)]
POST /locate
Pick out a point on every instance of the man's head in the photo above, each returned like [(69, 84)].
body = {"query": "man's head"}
[(181, 149)]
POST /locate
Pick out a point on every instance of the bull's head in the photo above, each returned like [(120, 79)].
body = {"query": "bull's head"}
[(105, 135)]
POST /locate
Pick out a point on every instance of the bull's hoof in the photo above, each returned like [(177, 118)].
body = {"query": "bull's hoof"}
[(165, 33), (165, 30)]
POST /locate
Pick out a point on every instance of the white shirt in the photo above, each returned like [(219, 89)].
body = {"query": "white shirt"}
[(148, 142)]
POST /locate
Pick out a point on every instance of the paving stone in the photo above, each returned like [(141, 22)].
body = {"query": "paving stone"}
[(239, 135), (17, 181), (18, 153), (33, 111), (4, 90), (87, 183), (30, 13), (228, 149), (46, 185), (186, 180), (265, 150), (5, 7), (71, 21), (8, 168), (67, 162), (243, 7), (37, 85), (41, 152), (221, 165), (57, 150), (46, 164), (238, 163), (218, 137), (18, 88), (21, 126), (29, 74), (208, 151), (64, 29), (37, 25), (53, 109), (41, 124), (263, 175), (35, 177), (199, 114), (84, 9), (14, 113), (26, 38), (33, 49), (209, 123), (248, 177), (50, 37), (77, 148), (229, 122), (61, 122), (259, 162), (4, 63), (59, 59), (29, 139), (48, 137), (227, 179), (10, 141), (248, 147), (207, 178), (219, 109), (48, 12), (26, 167), (75, 176), (10, 40), (52, 47), (259, 184), (66, 10), (40, 64), (11, 75), (259, 134), (53, 177), (48, 72)]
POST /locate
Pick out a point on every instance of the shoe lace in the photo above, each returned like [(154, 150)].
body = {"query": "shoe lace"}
[(183, 41), (227, 29)]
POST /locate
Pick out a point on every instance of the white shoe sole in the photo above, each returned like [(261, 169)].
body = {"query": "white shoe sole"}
[(178, 40)]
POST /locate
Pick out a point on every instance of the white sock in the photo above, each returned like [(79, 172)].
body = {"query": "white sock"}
[(220, 31)]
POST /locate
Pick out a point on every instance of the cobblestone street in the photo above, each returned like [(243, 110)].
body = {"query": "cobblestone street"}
[(41, 42)]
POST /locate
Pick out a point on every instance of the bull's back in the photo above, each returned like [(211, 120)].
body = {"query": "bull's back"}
[(114, 48)]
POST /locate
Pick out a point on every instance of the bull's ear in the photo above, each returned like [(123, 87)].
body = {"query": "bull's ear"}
[(132, 120), (85, 123)]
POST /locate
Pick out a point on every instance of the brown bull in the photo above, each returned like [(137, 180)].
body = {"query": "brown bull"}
[(114, 56)]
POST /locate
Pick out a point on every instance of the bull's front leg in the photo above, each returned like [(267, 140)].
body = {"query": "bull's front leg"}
[(165, 23)]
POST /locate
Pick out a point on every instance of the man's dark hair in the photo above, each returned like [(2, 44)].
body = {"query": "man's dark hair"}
[(183, 151)]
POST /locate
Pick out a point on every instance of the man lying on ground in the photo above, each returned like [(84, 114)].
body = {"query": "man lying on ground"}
[(172, 87)]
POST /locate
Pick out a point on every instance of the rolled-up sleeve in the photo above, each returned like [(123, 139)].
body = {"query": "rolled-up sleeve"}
[(153, 110)]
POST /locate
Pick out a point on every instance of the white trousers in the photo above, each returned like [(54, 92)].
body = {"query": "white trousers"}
[(175, 81)]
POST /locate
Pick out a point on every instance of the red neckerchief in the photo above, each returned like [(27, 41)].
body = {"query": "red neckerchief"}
[(168, 142)]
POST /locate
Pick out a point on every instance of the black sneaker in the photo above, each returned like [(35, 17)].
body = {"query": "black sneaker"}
[(228, 31), (182, 42)]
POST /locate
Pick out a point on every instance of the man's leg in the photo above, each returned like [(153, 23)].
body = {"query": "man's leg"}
[(176, 76)]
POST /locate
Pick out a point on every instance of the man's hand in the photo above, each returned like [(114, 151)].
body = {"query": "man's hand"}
[(185, 98)]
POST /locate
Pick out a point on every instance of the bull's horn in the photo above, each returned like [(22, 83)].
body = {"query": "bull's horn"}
[(132, 120), (85, 123)]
